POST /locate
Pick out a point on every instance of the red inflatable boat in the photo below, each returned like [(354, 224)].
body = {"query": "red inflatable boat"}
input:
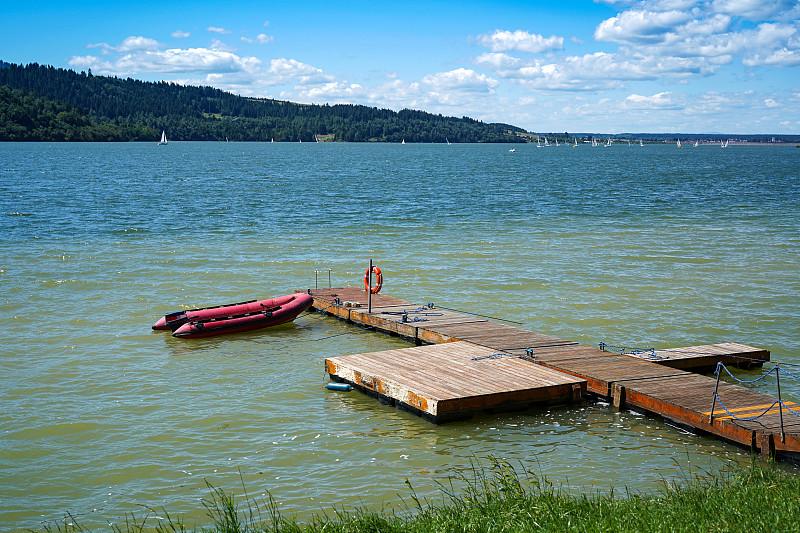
[(234, 318)]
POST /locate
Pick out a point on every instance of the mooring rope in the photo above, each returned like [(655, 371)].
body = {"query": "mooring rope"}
[(779, 401), (431, 305), (743, 419), (313, 310), (725, 368), (361, 330), (528, 356), (642, 353)]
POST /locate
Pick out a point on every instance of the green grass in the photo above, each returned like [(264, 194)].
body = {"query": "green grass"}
[(501, 498)]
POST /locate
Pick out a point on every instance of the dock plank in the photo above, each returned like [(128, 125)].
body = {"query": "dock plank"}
[(708, 355)]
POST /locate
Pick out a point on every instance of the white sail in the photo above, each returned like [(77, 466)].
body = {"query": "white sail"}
[(163, 137)]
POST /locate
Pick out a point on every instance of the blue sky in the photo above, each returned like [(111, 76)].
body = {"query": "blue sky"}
[(608, 66)]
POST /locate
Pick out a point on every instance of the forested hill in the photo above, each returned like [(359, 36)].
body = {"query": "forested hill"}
[(206, 114)]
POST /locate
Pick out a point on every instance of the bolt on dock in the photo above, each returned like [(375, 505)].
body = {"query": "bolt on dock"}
[(463, 364)]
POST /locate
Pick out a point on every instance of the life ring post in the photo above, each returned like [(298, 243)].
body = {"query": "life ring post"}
[(369, 288), (372, 269)]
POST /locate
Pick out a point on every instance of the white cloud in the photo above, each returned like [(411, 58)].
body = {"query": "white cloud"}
[(261, 38), (756, 10), (770, 102), (172, 61), (333, 92), (178, 34), (138, 43), (775, 45), (94, 63), (706, 31), (522, 41), (777, 58), (640, 26), (282, 70), (461, 78), (215, 29), (130, 44), (599, 71), (657, 101), (218, 45), (497, 61)]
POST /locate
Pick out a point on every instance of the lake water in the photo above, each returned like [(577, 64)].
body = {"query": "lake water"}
[(101, 417)]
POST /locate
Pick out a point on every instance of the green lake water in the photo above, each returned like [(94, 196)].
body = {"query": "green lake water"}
[(101, 417)]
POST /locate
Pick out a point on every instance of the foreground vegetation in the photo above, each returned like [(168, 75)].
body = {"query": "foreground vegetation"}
[(504, 499)]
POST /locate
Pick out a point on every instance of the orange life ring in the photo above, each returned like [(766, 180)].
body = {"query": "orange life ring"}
[(378, 280)]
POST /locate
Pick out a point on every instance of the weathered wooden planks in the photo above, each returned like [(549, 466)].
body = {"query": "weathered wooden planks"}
[(453, 380), (708, 355)]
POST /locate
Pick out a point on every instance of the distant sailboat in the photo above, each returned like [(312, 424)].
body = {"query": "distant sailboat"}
[(641, 143), (608, 143), (163, 138), (696, 144), (556, 141), (725, 144), (538, 142), (448, 141), (404, 141), (679, 144), (575, 145), (594, 142)]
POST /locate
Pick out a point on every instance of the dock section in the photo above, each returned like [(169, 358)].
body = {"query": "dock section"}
[(452, 381), (473, 354)]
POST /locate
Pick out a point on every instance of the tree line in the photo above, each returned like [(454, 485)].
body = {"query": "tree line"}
[(133, 108), (24, 116)]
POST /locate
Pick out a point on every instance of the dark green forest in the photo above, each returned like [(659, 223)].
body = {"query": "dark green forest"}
[(24, 116), (46, 103)]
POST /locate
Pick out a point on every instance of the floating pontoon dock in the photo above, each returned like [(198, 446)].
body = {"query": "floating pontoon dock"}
[(464, 364)]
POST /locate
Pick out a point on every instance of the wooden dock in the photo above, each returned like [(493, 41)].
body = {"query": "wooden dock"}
[(478, 364), (451, 381)]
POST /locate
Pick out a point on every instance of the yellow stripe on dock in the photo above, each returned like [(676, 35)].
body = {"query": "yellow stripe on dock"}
[(750, 408)]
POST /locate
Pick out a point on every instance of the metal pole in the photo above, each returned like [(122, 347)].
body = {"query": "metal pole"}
[(316, 280), (369, 289), (780, 401), (329, 278), (714, 403)]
